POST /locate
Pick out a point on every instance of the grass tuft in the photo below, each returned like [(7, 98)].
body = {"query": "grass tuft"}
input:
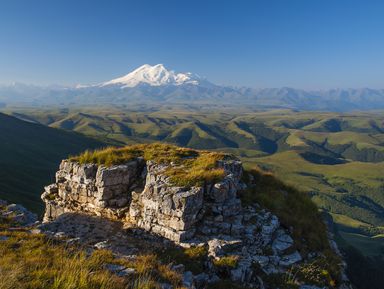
[(193, 258), (227, 261)]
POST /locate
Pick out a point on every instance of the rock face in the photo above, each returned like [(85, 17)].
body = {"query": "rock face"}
[(140, 194), (17, 214), (175, 212), (92, 189)]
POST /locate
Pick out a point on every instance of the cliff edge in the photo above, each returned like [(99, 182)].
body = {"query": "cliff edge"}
[(191, 198)]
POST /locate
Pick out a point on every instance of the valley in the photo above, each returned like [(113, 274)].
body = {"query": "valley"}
[(338, 158), (30, 154)]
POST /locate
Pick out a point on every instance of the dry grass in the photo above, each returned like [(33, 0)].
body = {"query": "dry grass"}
[(197, 171), (33, 261), (315, 273), (196, 252), (227, 261), (190, 167)]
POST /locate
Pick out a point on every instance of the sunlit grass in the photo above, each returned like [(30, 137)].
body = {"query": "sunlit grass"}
[(227, 261), (33, 261), (189, 167)]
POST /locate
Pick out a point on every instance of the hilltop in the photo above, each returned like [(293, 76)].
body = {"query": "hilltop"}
[(247, 227)]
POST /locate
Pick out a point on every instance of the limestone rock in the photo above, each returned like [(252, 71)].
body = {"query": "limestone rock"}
[(20, 215), (92, 189), (218, 247), (291, 259), (141, 195), (282, 242)]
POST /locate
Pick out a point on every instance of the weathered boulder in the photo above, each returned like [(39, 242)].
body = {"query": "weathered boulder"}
[(141, 194), (93, 189), (282, 242), (173, 211), (17, 214)]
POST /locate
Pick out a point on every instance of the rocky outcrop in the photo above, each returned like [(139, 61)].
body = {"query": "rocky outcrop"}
[(16, 214), (177, 213), (141, 195), (92, 189)]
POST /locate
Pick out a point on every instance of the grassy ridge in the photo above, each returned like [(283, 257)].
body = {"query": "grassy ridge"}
[(338, 158), (189, 167)]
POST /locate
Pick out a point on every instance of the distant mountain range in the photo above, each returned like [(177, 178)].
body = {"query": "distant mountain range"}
[(156, 84)]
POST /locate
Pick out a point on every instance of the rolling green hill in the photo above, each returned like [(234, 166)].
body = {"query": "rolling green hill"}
[(30, 155), (337, 158)]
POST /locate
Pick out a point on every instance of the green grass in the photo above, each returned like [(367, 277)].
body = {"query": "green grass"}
[(296, 212), (189, 167), (275, 140), (294, 209)]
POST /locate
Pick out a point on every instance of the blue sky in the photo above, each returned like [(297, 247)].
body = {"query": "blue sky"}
[(271, 43)]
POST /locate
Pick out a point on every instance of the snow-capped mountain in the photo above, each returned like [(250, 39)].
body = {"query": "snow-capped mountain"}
[(156, 75), (158, 85)]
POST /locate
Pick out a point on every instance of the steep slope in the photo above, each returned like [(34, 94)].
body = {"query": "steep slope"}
[(29, 156)]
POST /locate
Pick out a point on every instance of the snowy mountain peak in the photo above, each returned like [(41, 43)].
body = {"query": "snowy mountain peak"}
[(156, 75)]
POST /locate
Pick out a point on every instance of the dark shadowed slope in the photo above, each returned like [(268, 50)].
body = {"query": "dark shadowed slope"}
[(30, 154)]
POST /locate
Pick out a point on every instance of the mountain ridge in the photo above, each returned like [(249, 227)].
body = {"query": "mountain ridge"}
[(156, 84)]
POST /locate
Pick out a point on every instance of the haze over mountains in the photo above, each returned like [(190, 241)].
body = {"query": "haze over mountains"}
[(154, 84)]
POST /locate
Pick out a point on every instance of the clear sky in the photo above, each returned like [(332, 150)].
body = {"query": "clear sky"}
[(270, 43)]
